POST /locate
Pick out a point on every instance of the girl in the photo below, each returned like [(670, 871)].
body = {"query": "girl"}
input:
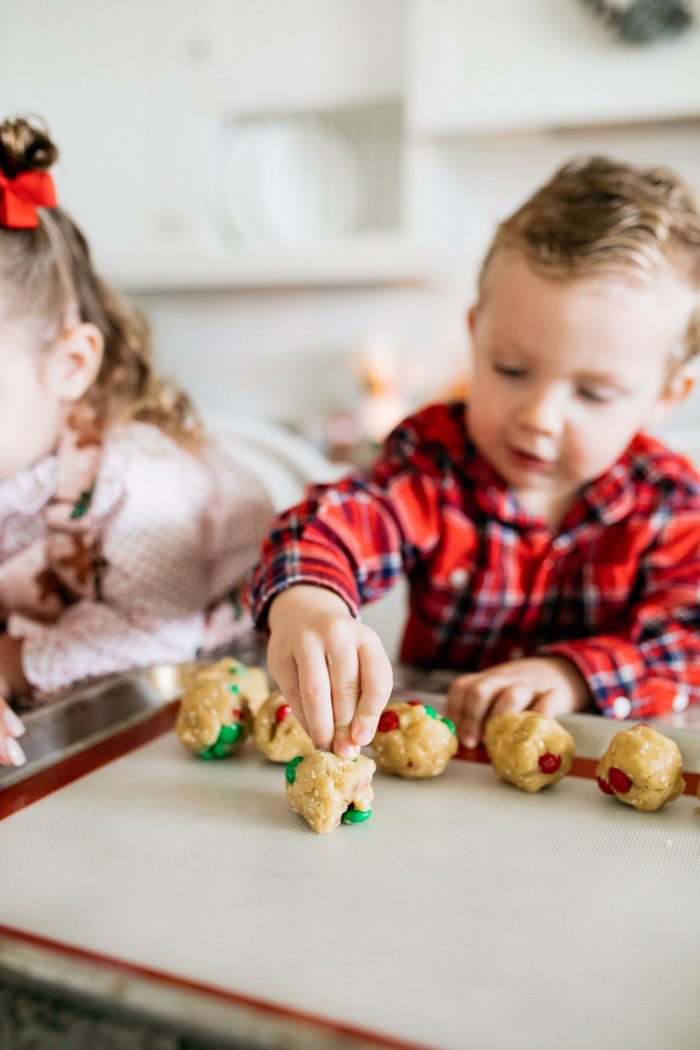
[(122, 531)]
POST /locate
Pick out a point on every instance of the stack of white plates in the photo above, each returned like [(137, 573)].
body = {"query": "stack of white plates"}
[(287, 182)]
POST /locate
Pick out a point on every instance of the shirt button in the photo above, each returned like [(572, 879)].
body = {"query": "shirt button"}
[(621, 707), (458, 577), (680, 701), (517, 653)]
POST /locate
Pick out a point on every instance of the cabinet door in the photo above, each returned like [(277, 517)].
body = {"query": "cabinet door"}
[(258, 55), (511, 64), (102, 76)]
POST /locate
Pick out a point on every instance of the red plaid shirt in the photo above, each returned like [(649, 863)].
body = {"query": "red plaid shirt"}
[(616, 588)]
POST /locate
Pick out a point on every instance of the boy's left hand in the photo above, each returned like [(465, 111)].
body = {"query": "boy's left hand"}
[(551, 685)]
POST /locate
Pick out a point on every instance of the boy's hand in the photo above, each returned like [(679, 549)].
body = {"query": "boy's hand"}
[(551, 685), (11, 754), (332, 669)]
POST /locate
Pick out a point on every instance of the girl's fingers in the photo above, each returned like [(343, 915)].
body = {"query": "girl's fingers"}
[(11, 723), (11, 754), (376, 683), (315, 693)]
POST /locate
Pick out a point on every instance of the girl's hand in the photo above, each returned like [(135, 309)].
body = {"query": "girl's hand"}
[(11, 754), (551, 685), (332, 669)]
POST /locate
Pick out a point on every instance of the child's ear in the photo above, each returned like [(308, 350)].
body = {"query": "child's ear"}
[(76, 361), (676, 390)]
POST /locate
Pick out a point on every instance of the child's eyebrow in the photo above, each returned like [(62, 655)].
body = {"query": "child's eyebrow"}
[(603, 378)]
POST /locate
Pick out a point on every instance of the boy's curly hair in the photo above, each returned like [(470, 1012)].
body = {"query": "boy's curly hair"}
[(46, 273), (598, 216)]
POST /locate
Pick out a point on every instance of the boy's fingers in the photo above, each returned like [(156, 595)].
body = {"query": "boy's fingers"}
[(513, 698), (477, 701), (376, 683), (315, 691), (456, 695), (343, 670), (284, 673), (551, 704)]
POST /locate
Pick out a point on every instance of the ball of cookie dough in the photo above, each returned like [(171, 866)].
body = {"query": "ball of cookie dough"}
[(214, 715), (250, 683), (278, 733), (641, 767), (326, 789), (412, 740), (528, 750)]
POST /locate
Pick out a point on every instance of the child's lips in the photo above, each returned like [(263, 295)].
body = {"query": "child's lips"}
[(531, 461)]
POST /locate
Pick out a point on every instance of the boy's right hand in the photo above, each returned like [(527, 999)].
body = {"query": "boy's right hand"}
[(332, 668), (11, 754)]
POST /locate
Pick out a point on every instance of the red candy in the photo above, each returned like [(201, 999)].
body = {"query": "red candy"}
[(415, 703), (237, 713), (604, 786), (619, 780), (282, 712), (549, 763), (388, 721)]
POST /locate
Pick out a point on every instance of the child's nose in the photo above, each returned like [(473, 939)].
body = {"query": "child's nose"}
[(542, 412)]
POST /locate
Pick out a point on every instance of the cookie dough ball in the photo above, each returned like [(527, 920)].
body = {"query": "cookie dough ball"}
[(250, 683), (529, 750), (641, 767), (214, 717), (278, 733), (326, 789), (412, 740)]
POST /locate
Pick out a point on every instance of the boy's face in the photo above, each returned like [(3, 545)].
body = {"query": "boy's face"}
[(566, 373)]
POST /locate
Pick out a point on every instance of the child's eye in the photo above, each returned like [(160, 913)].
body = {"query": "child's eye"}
[(509, 370), (599, 397)]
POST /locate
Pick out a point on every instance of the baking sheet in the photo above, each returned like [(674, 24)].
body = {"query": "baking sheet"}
[(463, 914)]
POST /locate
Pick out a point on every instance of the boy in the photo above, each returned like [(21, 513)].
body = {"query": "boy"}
[(552, 550)]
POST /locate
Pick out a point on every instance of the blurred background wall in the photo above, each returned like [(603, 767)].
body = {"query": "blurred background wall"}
[(298, 192)]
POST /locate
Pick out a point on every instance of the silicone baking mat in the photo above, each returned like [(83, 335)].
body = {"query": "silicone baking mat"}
[(463, 914)]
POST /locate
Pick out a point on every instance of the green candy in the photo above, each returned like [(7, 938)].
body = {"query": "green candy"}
[(450, 725), (206, 755), (355, 816), (229, 734), (219, 750), (234, 689), (430, 710), (290, 770)]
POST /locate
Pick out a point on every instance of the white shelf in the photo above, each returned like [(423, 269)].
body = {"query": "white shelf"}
[(361, 261)]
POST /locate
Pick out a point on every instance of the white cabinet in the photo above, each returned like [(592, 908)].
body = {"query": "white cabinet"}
[(524, 64), (227, 143), (240, 143)]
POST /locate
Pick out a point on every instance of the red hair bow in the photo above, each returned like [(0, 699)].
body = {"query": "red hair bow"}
[(20, 197)]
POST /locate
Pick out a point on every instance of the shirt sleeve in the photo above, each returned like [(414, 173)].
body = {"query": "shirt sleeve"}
[(183, 532), (357, 536), (651, 665)]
